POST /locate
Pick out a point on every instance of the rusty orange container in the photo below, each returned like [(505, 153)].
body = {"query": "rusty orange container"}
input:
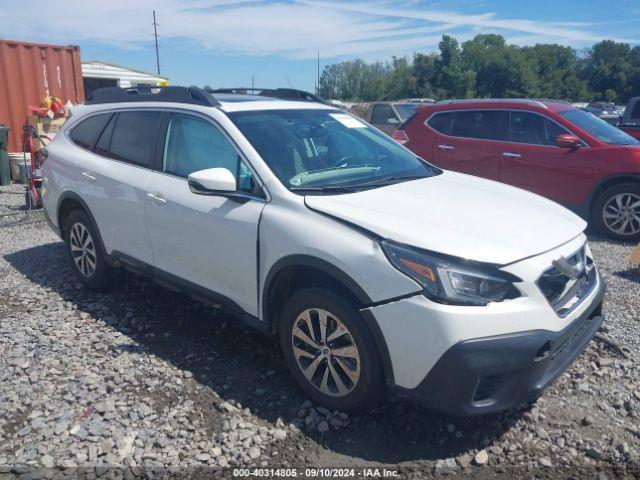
[(28, 73)]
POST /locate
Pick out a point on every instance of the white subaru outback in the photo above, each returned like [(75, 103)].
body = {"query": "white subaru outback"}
[(376, 270)]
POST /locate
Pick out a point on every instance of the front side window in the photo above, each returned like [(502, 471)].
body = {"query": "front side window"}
[(383, 114), (598, 128), (194, 144), (320, 149), (533, 129), (86, 133), (481, 124), (133, 139)]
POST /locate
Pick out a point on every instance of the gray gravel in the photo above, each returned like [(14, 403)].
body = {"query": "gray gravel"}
[(144, 377)]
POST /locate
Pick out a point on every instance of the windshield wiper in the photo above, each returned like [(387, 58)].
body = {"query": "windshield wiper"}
[(351, 187), (326, 188), (390, 179)]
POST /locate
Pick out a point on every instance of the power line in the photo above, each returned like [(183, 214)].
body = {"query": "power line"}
[(155, 35)]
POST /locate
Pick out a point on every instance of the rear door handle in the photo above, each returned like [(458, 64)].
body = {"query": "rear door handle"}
[(445, 147), (511, 155), (157, 198), (89, 177)]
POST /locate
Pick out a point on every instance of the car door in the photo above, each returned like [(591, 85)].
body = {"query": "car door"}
[(208, 241), (531, 159), (469, 141), (384, 118), (113, 179)]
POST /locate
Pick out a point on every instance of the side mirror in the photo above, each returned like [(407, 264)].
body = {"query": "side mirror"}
[(566, 140), (212, 181)]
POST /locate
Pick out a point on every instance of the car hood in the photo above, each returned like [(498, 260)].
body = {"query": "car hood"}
[(457, 215)]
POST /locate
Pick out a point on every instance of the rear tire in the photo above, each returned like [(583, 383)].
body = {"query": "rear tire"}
[(616, 212), (86, 252), (340, 368)]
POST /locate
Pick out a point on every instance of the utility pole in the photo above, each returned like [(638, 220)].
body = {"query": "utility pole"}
[(318, 76), (155, 35), (252, 83)]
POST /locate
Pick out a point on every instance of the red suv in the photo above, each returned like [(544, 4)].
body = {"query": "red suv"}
[(546, 147)]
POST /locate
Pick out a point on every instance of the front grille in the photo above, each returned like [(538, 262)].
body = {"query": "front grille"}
[(565, 290)]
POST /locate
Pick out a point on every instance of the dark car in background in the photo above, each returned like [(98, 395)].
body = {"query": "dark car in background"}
[(547, 147), (630, 121), (387, 116)]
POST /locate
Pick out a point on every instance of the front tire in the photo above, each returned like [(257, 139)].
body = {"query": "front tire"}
[(86, 253), (616, 212), (329, 351)]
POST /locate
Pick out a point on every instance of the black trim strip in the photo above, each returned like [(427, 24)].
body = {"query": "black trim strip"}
[(381, 344), (195, 291)]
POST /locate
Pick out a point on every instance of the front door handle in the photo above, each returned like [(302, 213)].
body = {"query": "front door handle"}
[(157, 198), (445, 147), (511, 155), (89, 177)]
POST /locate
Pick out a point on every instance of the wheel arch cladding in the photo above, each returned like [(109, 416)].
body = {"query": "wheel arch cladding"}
[(320, 273), (68, 202), (279, 284), (609, 182)]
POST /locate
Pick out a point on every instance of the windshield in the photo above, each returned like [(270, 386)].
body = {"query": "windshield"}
[(598, 128), (406, 110), (327, 150)]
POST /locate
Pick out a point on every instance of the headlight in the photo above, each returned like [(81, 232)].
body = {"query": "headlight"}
[(450, 280)]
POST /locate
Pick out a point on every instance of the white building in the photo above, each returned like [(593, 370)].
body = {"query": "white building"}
[(100, 74)]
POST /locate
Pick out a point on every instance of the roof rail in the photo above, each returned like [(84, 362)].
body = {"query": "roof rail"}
[(528, 101), (279, 93), (149, 93)]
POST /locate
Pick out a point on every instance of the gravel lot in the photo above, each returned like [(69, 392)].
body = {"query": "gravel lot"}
[(145, 378)]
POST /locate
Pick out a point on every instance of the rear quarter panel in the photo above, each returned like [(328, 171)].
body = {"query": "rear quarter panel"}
[(60, 174)]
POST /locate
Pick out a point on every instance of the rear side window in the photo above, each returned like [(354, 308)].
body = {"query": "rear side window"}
[(481, 124), (383, 114), (534, 129), (441, 122), (133, 139), (87, 131), (635, 113), (102, 147)]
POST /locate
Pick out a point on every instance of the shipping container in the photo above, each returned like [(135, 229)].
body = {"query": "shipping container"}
[(28, 73)]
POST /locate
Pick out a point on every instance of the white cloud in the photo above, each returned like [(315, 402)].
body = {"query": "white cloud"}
[(286, 28)]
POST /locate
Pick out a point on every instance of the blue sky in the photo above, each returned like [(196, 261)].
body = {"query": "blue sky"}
[(226, 42)]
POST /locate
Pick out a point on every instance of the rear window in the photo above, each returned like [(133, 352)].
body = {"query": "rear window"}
[(406, 110), (481, 124), (383, 114), (134, 137), (87, 131), (441, 122)]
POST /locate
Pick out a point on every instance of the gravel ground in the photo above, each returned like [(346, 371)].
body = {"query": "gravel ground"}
[(146, 379)]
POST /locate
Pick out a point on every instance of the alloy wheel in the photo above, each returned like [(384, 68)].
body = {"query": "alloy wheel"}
[(83, 250), (621, 214), (326, 352)]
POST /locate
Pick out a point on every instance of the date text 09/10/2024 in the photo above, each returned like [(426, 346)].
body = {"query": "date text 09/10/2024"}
[(316, 472)]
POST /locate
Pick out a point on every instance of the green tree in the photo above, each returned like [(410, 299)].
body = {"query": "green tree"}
[(450, 79), (424, 66), (486, 66), (608, 67)]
